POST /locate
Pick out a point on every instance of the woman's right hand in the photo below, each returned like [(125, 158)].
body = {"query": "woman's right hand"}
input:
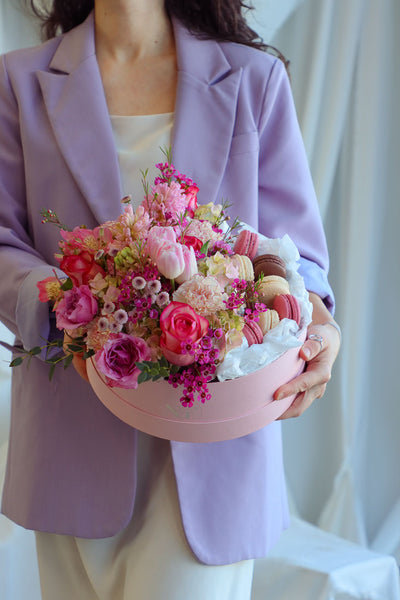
[(78, 361)]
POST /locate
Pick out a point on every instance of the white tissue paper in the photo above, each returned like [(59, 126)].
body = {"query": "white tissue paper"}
[(244, 359)]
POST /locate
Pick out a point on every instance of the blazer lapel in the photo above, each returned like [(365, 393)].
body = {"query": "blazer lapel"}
[(75, 102), (205, 111), (204, 116)]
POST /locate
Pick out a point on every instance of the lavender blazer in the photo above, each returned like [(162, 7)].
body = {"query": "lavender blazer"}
[(71, 464)]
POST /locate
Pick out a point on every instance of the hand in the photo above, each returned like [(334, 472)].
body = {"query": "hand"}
[(311, 384), (78, 362)]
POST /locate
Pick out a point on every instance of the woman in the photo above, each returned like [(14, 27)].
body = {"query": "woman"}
[(78, 115)]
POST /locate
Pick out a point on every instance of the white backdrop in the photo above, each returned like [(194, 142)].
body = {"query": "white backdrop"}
[(341, 456)]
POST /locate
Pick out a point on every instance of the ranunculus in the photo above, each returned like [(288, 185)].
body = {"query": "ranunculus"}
[(81, 267), (118, 357), (77, 308), (190, 268), (180, 323), (193, 242)]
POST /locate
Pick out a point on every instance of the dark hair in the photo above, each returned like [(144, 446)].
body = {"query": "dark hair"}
[(221, 20)]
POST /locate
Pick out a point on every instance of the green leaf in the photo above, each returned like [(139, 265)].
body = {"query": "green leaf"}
[(75, 347), (143, 377), (88, 354), (68, 360), (16, 362), (51, 371), (204, 248), (67, 285), (36, 350)]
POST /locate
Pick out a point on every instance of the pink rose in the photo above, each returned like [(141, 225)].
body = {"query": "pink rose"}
[(118, 357), (77, 308), (81, 268), (180, 323)]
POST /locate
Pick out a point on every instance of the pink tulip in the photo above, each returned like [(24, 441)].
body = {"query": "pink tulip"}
[(169, 259), (156, 236), (190, 265)]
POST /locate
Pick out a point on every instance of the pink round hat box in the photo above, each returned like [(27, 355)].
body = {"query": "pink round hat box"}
[(237, 407)]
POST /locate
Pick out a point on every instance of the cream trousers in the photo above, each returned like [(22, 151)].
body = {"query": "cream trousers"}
[(149, 560)]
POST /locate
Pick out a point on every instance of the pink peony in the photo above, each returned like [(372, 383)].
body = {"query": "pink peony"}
[(77, 308), (179, 323), (118, 357)]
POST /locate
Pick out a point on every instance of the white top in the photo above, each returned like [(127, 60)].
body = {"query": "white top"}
[(138, 142)]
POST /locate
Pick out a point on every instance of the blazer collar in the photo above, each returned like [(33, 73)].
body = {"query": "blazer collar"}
[(204, 115), (202, 59)]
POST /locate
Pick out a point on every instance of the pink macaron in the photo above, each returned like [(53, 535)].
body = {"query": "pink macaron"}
[(287, 307), (246, 244), (253, 333)]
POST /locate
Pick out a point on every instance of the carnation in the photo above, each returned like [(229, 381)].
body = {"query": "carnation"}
[(203, 294), (204, 231)]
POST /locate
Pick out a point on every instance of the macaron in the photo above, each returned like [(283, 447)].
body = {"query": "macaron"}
[(271, 286), (268, 320), (287, 307), (244, 266), (246, 243), (252, 332), (269, 264)]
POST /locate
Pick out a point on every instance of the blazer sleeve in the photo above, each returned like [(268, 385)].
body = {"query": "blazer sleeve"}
[(287, 198), (21, 266)]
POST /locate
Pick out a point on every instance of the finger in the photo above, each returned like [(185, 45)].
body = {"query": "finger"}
[(302, 402), (310, 349), (318, 373)]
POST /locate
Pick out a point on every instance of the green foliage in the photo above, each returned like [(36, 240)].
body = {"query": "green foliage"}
[(152, 371)]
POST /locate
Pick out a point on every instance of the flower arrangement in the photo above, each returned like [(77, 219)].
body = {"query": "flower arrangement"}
[(157, 293)]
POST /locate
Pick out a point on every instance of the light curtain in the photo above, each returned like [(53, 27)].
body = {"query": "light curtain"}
[(342, 455)]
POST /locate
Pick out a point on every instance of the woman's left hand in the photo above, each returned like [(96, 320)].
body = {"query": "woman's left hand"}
[(319, 351)]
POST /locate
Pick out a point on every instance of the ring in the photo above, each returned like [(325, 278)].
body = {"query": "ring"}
[(318, 338)]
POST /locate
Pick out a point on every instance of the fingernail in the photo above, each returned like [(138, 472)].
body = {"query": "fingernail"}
[(280, 396), (307, 352)]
